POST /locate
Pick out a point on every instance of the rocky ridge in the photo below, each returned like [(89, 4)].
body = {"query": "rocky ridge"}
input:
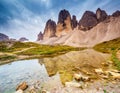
[(3, 37), (92, 28), (23, 39)]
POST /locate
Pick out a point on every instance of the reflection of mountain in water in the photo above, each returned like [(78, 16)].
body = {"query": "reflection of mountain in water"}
[(76, 61)]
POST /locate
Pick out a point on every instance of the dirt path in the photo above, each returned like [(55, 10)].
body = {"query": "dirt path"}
[(22, 50)]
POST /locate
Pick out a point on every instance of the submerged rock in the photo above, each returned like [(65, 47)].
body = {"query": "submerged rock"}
[(99, 71), (19, 91), (23, 86), (44, 91), (32, 90), (79, 77), (73, 84), (115, 75)]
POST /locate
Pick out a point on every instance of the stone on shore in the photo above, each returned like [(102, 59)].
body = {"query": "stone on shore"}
[(22, 86)]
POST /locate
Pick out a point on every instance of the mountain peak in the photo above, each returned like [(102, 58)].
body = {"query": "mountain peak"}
[(50, 29)]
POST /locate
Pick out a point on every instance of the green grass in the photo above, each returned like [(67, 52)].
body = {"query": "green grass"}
[(115, 59), (6, 57), (31, 49), (111, 47), (47, 50), (8, 46), (108, 46)]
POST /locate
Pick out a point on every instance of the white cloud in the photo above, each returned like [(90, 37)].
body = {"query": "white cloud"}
[(47, 3), (30, 29)]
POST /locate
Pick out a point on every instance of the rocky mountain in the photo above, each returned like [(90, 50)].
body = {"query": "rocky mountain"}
[(116, 14), (101, 15), (23, 39), (74, 22), (88, 21), (3, 37), (93, 28), (64, 23), (40, 36), (50, 29)]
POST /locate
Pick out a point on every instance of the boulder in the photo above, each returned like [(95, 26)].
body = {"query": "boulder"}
[(23, 86), (88, 21), (50, 29)]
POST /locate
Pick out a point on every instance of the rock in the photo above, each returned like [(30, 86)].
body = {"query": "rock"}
[(3, 37), (50, 29), (32, 90), (19, 91), (23, 39), (115, 75), (79, 77), (99, 71), (64, 23), (74, 22), (23, 86), (44, 91), (73, 84), (116, 14), (88, 21), (101, 15), (63, 15), (40, 36)]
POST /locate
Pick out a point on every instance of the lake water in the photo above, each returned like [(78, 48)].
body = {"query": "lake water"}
[(48, 69)]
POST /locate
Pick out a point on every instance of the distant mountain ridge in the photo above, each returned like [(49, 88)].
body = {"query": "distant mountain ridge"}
[(3, 37), (91, 29)]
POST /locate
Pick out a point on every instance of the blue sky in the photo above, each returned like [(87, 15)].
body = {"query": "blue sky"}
[(26, 18)]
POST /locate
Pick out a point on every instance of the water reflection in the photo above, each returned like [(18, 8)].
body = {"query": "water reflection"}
[(52, 70), (74, 62)]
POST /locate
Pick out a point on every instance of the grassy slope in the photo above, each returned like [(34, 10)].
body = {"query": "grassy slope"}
[(46, 50), (112, 47), (108, 46), (10, 50)]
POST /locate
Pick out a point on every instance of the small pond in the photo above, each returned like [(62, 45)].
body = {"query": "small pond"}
[(48, 69)]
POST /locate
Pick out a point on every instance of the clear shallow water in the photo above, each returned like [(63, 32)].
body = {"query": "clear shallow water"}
[(16, 72), (60, 68)]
